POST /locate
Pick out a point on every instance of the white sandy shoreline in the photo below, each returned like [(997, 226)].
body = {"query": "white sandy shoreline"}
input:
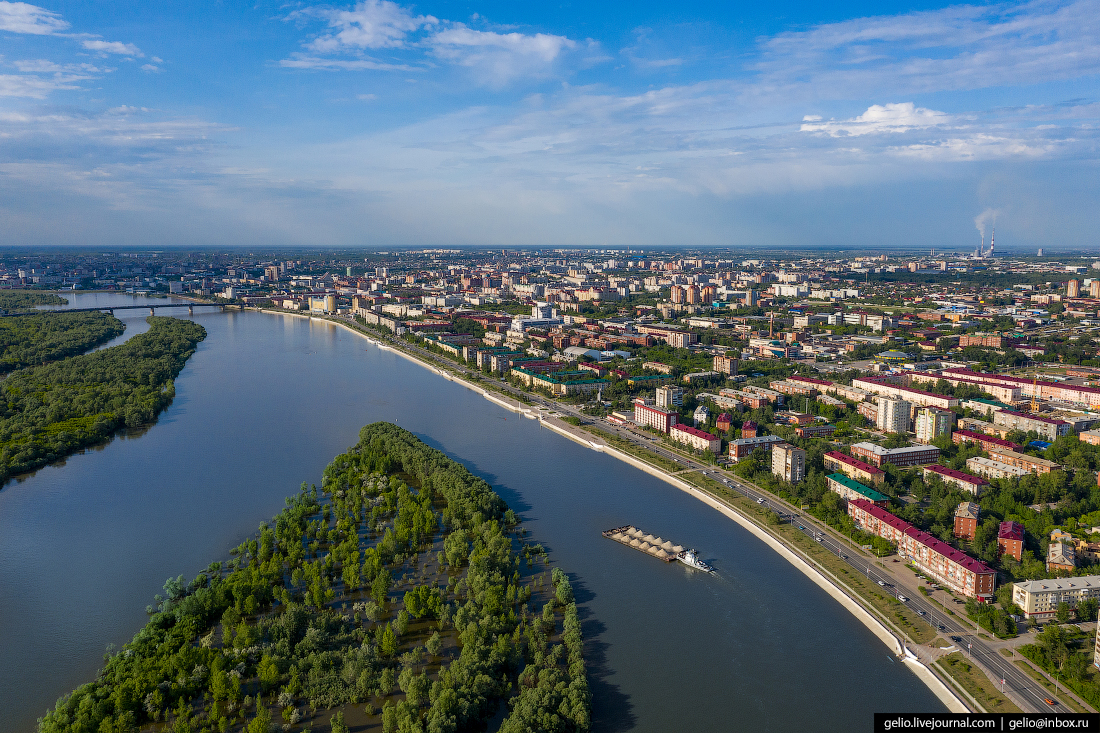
[(934, 683)]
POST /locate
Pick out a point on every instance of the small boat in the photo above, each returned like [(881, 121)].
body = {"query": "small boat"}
[(691, 559)]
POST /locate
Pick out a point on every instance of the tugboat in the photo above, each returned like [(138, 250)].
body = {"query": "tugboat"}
[(691, 559)]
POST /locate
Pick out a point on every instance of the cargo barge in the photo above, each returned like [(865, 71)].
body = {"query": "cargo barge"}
[(661, 549)]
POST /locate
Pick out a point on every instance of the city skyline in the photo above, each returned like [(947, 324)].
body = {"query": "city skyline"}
[(386, 124)]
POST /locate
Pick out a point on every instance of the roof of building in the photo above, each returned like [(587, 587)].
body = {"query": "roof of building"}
[(694, 431), (810, 380), (1036, 418), (956, 475), (854, 462), (968, 510), (991, 439), (878, 450), (1052, 585), (1011, 531), (1022, 457), (937, 546), (758, 440), (857, 487)]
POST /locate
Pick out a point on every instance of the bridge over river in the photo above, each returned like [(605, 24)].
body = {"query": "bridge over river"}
[(112, 308)]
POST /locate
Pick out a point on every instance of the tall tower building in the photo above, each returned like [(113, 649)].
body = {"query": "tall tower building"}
[(893, 415), (1094, 288), (1073, 289)]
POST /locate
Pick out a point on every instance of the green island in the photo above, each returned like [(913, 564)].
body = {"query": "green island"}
[(21, 300), (51, 411), (400, 596), (33, 340)]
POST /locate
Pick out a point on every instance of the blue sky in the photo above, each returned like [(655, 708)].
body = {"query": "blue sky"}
[(443, 123)]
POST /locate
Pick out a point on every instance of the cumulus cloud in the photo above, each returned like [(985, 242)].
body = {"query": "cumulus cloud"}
[(495, 58), (372, 24), (878, 119), (499, 57), (26, 18), (113, 47)]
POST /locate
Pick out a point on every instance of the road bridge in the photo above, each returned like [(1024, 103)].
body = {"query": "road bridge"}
[(112, 308)]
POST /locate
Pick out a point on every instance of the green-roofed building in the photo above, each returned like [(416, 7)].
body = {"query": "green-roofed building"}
[(851, 489), (892, 356)]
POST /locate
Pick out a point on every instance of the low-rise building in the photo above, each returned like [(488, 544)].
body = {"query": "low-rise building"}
[(950, 567), (1040, 599), (743, 447), (1010, 539), (951, 477), (814, 431), (1061, 556), (1047, 428), (851, 489), (1038, 466), (854, 468), (966, 520), (697, 439), (724, 421), (791, 387), (993, 469), (1092, 437), (985, 441), (902, 457), (788, 462)]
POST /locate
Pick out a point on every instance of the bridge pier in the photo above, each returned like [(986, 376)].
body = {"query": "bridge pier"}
[(190, 310), (151, 312)]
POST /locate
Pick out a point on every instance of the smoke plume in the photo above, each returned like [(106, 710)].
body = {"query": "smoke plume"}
[(984, 219)]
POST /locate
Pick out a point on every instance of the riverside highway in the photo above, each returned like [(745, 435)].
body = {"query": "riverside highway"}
[(1024, 691)]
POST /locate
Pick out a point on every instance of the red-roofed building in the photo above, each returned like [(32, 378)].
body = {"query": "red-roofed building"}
[(820, 384), (749, 429), (1010, 539), (724, 421), (698, 439), (854, 468), (965, 481), (952, 568), (985, 441)]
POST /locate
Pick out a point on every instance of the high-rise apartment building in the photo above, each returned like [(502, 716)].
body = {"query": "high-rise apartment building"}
[(1073, 289), (788, 462), (893, 415), (933, 423), (669, 397)]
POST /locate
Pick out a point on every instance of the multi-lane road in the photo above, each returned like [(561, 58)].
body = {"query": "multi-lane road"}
[(1027, 693)]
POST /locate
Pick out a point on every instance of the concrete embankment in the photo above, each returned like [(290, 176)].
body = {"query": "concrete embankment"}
[(833, 588)]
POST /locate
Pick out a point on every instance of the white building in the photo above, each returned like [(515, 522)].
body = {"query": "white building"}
[(893, 415), (1040, 598), (702, 414), (993, 469)]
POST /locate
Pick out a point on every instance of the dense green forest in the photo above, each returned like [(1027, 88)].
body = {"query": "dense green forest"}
[(39, 339), (403, 571), (50, 411), (19, 300)]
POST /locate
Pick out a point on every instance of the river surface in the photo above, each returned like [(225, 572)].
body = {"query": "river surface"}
[(265, 404)]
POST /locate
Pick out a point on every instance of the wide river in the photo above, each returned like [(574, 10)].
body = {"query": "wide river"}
[(265, 404)]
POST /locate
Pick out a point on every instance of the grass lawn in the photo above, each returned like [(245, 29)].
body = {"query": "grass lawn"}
[(970, 678)]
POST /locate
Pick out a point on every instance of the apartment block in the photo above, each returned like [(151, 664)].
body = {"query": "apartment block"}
[(788, 462)]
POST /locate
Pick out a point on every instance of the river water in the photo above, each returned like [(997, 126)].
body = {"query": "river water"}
[(265, 404)]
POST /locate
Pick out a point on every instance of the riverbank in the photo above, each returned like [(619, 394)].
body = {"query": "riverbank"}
[(832, 585)]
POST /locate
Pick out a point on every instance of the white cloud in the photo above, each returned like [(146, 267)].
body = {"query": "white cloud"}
[(35, 87), (372, 24), (26, 18), (493, 58), (115, 47), (499, 57), (901, 117), (150, 68)]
